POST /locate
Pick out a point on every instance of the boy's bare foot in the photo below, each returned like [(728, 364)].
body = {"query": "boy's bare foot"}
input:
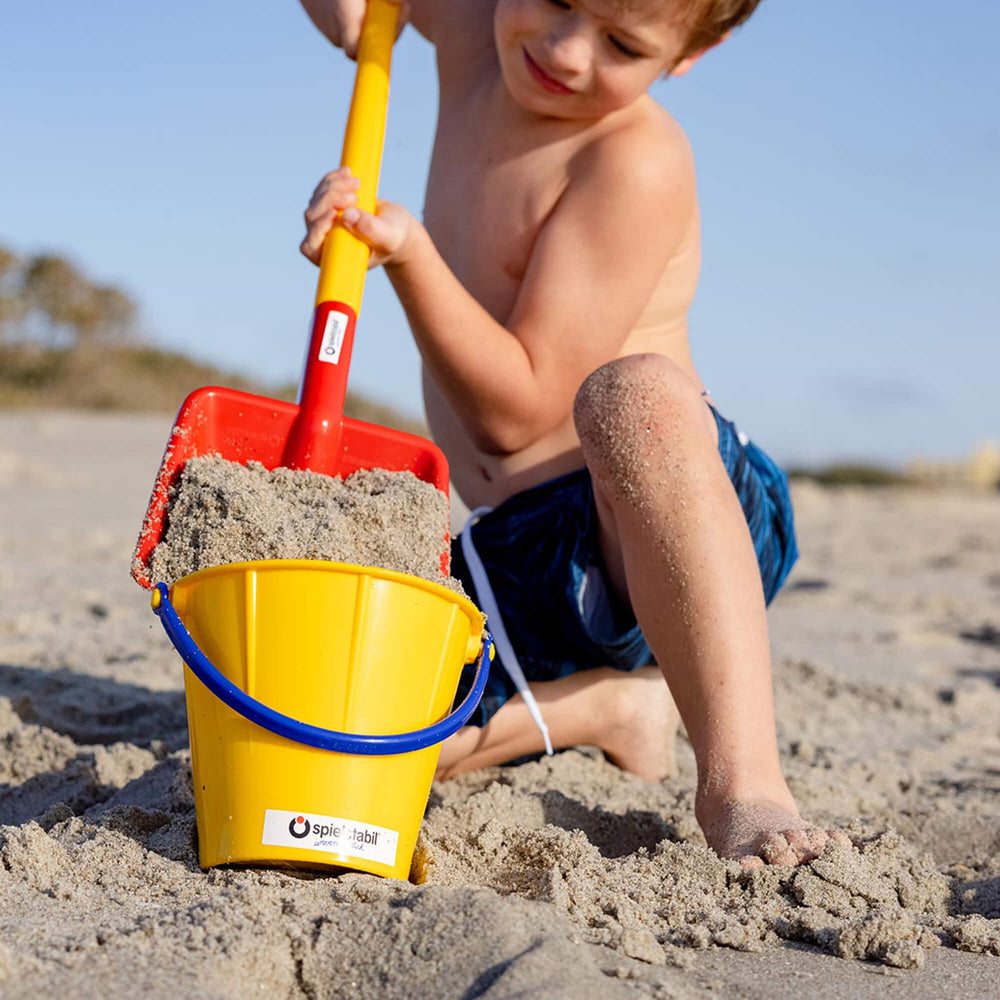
[(761, 833), (630, 716), (641, 732)]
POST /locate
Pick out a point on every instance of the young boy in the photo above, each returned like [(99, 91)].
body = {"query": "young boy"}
[(622, 521)]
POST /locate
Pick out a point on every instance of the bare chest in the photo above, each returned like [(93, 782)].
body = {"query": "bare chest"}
[(487, 199)]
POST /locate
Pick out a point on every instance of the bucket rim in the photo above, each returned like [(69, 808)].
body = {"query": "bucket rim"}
[(328, 566)]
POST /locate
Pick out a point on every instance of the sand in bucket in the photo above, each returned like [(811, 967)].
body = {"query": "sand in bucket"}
[(334, 645), (224, 512)]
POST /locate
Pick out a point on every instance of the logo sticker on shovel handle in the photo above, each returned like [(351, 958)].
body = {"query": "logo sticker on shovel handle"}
[(332, 340)]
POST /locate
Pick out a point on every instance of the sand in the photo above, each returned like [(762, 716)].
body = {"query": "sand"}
[(559, 877), (223, 512)]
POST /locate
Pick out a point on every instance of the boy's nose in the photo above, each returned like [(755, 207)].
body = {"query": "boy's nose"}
[(569, 48)]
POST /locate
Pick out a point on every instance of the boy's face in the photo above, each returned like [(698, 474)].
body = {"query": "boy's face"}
[(583, 59)]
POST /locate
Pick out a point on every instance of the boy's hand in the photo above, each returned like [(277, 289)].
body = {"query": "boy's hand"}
[(340, 21), (388, 232)]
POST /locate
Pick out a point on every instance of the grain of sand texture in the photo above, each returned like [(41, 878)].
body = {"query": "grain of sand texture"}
[(560, 878), (223, 512)]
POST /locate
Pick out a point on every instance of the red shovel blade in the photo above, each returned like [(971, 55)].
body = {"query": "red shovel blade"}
[(243, 427)]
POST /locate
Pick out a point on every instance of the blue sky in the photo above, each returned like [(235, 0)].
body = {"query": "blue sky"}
[(848, 157)]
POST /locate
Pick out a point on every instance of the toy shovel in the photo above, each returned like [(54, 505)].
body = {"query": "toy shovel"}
[(313, 434)]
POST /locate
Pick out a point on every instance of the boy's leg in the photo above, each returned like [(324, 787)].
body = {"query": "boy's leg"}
[(677, 547), (630, 716)]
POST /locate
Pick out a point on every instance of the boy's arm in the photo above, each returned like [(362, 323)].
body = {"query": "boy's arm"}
[(594, 267)]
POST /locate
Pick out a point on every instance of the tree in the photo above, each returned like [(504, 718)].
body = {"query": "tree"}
[(112, 316), (11, 306), (47, 298)]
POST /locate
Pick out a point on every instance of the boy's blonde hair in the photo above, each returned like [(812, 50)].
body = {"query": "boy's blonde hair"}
[(709, 21)]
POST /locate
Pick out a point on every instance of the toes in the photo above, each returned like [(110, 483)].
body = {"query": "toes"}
[(818, 839), (751, 862), (799, 839), (794, 847), (807, 842), (840, 837), (777, 851)]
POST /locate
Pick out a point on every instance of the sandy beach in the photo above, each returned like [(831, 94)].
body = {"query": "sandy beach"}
[(554, 878)]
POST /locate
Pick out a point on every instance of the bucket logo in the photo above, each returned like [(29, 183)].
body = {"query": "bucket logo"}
[(299, 827), (332, 834)]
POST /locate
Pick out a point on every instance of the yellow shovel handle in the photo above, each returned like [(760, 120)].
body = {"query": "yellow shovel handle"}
[(344, 261)]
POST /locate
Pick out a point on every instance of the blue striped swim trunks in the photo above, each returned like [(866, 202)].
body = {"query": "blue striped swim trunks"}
[(541, 553)]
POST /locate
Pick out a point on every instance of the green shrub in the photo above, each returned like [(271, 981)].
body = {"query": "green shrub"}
[(851, 474)]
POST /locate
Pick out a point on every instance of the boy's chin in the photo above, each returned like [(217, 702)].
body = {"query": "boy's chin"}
[(568, 107)]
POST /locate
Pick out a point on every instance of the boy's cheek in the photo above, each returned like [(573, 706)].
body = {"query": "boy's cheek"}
[(514, 17)]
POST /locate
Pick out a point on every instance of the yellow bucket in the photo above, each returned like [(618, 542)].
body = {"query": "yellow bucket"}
[(286, 662)]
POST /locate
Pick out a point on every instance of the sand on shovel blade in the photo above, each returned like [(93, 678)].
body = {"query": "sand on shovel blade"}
[(224, 512)]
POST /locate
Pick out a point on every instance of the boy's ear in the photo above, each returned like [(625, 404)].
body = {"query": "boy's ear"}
[(688, 61)]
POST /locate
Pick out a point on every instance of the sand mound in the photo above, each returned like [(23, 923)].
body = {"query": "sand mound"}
[(638, 879)]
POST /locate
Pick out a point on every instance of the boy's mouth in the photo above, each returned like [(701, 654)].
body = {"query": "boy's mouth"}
[(542, 78)]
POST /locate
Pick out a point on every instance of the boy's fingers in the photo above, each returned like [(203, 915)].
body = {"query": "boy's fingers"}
[(369, 227), (349, 42), (362, 223), (349, 37), (319, 225), (342, 177), (305, 248), (356, 221), (323, 217), (312, 244), (337, 180), (331, 202), (309, 248), (340, 174), (335, 191)]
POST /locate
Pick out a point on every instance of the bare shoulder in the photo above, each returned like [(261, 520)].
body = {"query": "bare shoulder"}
[(642, 155), (633, 185)]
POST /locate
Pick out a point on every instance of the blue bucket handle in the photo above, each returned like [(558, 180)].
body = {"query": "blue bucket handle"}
[(301, 732)]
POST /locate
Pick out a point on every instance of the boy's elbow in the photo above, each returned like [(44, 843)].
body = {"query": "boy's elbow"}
[(507, 434), (500, 440)]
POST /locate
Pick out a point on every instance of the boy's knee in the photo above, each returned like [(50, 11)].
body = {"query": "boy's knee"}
[(630, 407)]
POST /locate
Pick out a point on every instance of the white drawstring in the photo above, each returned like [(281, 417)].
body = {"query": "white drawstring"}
[(489, 605)]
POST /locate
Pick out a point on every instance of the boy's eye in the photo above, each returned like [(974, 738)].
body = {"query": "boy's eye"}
[(624, 49), (561, 4)]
